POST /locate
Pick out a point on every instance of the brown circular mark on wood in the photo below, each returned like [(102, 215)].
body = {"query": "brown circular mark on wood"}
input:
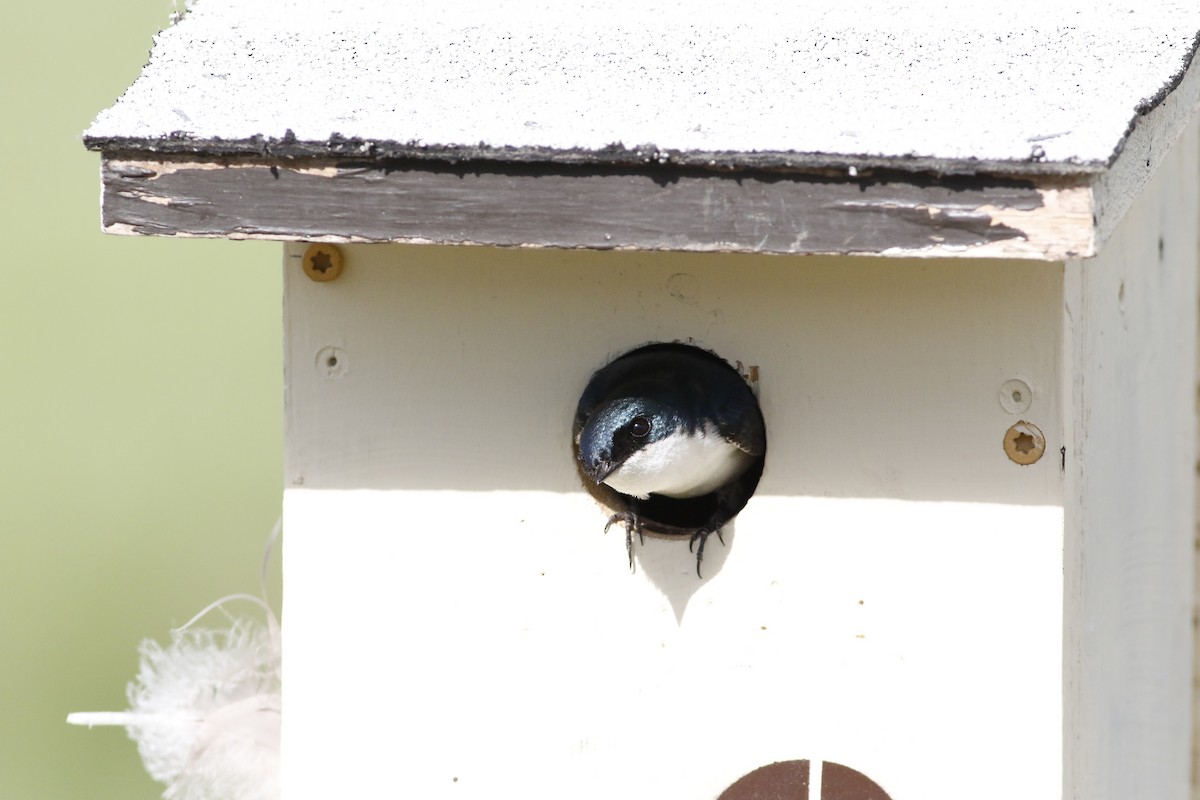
[(789, 780), (839, 782), (783, 780)]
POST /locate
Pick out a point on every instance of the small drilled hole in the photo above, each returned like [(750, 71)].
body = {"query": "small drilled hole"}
[(331, 361)]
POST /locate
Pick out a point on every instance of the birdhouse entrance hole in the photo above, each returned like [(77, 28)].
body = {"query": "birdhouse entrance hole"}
[(701, 398)]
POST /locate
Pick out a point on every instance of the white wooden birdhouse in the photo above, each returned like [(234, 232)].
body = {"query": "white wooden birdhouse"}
[(952, 248)]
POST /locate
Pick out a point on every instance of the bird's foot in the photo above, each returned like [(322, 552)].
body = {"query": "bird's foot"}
[(633, 524), (701, 536)]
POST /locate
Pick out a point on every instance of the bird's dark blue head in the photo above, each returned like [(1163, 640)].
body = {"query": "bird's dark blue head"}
[(621, 427)]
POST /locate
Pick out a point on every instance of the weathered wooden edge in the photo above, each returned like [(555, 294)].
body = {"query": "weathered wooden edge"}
[(883, 213), (1150, 138), (617, 154)]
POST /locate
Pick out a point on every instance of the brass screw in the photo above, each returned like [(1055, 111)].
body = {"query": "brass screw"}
[(1024, 443), (322, 262)]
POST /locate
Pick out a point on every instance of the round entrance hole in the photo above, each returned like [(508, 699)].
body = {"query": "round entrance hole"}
[(671, 439)]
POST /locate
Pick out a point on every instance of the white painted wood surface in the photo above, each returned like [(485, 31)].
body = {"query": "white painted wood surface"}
[(454, 611), (1130, 355), (429, 339), (1196, 597), (492, 644), (935, 84)]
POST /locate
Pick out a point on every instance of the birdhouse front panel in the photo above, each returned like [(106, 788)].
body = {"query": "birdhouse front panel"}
[(448, 573)]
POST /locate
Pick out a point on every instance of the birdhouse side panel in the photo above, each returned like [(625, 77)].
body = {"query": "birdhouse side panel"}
[(1130, 469)]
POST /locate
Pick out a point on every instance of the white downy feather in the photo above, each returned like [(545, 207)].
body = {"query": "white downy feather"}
[(205, 708), (205, 712)]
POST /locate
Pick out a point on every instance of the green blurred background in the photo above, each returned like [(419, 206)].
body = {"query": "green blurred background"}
[(140, 412)]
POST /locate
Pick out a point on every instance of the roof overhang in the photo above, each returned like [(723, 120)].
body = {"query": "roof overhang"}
[(931, 131)]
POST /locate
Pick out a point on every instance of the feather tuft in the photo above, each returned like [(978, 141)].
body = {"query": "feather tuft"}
[(205, 711), (209, 709)]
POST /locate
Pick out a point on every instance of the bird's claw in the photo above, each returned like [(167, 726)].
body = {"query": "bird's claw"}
[(702, 536), (632, 525)]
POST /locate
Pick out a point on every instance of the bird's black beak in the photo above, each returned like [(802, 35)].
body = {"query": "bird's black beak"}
[(595, 456), (598, 469)]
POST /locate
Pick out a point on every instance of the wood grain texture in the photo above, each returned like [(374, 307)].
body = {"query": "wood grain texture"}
[(1130, 339), (1195, 794), (678, 209)]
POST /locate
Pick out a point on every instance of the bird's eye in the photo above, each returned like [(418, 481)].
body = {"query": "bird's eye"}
[(640, 427)]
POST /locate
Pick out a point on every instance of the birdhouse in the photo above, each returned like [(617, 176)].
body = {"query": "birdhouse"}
[(949, 253)]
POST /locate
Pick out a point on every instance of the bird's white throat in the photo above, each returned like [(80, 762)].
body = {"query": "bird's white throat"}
[(680, 466)]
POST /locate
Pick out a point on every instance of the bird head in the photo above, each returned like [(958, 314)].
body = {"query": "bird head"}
[(617, 431)]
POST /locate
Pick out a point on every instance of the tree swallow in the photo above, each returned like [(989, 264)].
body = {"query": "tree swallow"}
[(671, 439)]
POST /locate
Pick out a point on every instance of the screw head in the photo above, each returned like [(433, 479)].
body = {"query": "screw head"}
[(322, 262), (1024, 443)]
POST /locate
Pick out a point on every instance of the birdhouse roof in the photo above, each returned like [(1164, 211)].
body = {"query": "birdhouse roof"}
[(1051, 90)]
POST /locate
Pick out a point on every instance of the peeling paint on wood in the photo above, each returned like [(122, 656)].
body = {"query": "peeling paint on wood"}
[(598, 208)]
